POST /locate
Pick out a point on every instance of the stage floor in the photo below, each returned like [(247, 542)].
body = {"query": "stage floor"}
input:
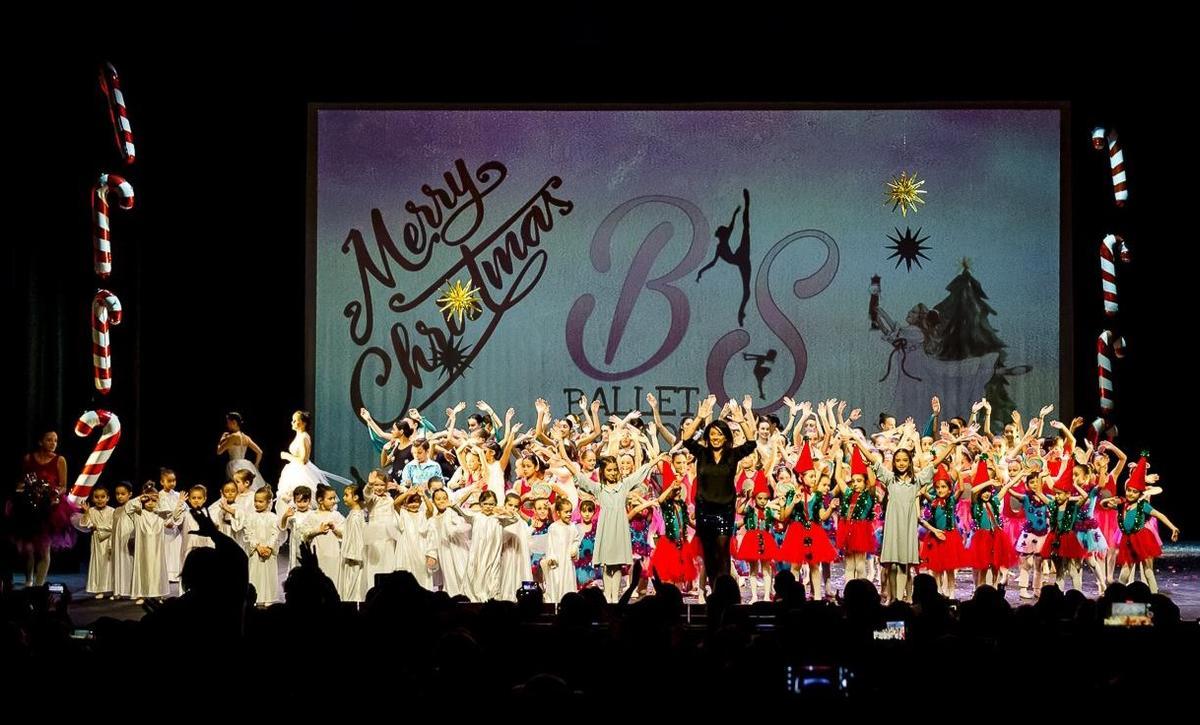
[(1178, 577)]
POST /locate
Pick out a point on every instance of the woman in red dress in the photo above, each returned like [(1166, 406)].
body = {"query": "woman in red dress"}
[(39, 513)]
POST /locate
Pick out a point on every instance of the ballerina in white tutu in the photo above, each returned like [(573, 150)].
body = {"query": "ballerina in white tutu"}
[(235, 442), (300, 470)]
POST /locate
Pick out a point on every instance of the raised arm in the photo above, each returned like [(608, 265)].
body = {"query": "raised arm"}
[(945, 452), (483, 407), (703, 410), (452, 416), (1068, 436), (658, 424), (510, 432), (739, 417), (539, 426), (593, 421), (371, 424), (792, 408), (639, 474), (856, 438), (1122, 459)]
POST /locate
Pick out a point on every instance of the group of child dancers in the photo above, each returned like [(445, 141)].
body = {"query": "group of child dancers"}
[(479, 511)]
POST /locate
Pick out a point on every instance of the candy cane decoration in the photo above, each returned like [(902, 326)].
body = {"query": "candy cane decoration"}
[(1112, 248), (1116, 161), (110, 435), (110, 84), (1098, 138), (1107, 345), (106, 310), (1101, 425), (101, 233)]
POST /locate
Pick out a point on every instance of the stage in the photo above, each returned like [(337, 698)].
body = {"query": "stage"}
[(1178, 577)]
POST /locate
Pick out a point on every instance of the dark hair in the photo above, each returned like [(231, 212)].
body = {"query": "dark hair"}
[(165, 472), (352, 489), (602, 461), (724, 428), (883, 418), (201, 488), (99, 488), (243, 473), (123, 484), (507, 496), (638, 423), (490, 496), (479, 419), (910, 473), (322, 489), (405, 427), (267, 490), (305, 417), (302, 492), (562, 503), (235, 417), (42, 430), (773, 420), (537, 461), (420, 444), (569, 447), (587, 505)]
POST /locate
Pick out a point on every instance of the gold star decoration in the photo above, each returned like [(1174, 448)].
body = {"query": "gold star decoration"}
[(905, 192), (460, 299)]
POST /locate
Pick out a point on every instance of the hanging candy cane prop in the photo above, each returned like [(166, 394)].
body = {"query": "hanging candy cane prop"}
[(1098, 138), (1107, 346), (101, 231), (110, 84), (106, 311), (1116, 161), (110, 435), (1112, 249)]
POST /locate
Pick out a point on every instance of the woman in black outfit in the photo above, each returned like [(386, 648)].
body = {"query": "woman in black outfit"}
[(716, 470)]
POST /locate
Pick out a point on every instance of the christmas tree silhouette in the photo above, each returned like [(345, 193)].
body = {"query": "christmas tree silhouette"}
[(964, 332)]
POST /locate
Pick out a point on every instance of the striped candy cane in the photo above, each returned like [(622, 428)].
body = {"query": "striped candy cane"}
[(110, 435), (1098, 138), (1116, 161), (110, 84), (1107, 345), (1112, 248), (101, 233), (106, 310)]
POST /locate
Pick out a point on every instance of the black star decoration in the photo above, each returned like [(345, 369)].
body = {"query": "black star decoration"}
[(451, 356), (908, 248)]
